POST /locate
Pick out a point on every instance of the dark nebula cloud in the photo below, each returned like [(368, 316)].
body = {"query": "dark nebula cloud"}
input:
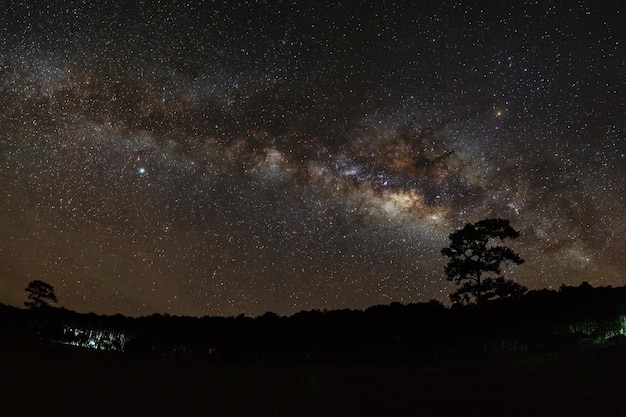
[(240, 157)]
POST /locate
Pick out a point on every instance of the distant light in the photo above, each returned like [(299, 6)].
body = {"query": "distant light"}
[(141, 170)]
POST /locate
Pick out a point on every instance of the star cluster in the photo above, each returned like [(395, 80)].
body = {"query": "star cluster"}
[(240, 157)]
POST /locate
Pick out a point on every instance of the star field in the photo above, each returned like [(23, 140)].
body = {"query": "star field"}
[(243, 157)]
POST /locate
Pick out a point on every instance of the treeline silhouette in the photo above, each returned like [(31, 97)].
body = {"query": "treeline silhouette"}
[(539, 321)]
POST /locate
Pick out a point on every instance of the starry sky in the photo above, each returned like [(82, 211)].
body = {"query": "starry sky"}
[(228, 157)]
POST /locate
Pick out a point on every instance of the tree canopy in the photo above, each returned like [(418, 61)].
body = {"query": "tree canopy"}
[(476, 262), (40, 294)]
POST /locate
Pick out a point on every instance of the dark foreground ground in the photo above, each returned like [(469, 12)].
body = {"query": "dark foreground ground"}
[(43, 380)]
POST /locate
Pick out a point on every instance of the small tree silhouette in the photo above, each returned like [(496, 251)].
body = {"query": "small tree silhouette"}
[(39, 294), (472, 256)]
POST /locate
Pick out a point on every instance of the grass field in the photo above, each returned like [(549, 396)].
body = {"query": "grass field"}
[(45, 380)]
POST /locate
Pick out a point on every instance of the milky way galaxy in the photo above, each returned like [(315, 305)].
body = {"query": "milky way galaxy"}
[(244, 157)]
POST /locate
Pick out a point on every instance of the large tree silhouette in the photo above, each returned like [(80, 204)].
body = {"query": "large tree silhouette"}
[(476, 262), (39, 294)]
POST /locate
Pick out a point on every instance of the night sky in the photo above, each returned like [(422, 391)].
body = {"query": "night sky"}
[(242, 157)]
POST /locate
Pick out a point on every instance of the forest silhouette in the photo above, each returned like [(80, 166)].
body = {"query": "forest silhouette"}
[(540, 320)]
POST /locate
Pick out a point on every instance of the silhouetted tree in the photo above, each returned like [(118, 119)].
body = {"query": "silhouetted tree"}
[(475, 262), (39, 294)]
